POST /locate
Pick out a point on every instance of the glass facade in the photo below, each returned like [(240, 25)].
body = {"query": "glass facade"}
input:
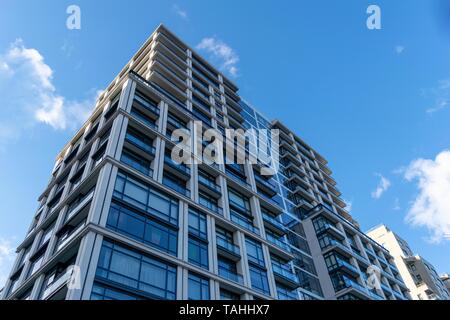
[(136, 272)]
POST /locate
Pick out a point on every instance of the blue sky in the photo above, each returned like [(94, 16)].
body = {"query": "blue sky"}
[(373, 102)]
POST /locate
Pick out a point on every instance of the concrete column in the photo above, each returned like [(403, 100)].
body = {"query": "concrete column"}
[(163, 115), (120, 132), (101, 200), (256, 210), (212, 250), (214, 290), (87, 260), (270, 277), (185, 293), (243, 263), (319, 262), (159, 160), (180, 284), (183, 233), (36, 291), (224, 198)]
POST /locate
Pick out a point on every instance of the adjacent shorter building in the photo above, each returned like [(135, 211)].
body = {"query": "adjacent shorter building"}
[(418, 274)]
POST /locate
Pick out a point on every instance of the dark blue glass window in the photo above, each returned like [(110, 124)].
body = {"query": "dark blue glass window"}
[(197, 224), (255, 252), (143, 228), (198, 252), (101, 292), (142, 196), (198, 287), (258, 278), (136, 161), (138, 273)]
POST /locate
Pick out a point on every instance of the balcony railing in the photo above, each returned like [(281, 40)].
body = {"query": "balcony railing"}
[(346, 283), (340, 263), (211, 206), (73, 234), (208, 183), (57, 283), (284, 272), (335, 243), (243, 222), (236, 177), (228, 246), (279, 243), (273, 221), (332, 229), (374, 295), (140, 144), (179, 167), (149, 105), (227, 274), (73, 209), (174, 185)]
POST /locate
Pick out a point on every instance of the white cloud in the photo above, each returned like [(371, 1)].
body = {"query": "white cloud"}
[(431, 207), (440, 96), (28, 95), (222, 53), (399, 49), (7, 255), (180, 12), (383, 186)]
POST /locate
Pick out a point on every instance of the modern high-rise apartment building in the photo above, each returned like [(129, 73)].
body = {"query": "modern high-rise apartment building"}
[(419, 275), (138, 226)]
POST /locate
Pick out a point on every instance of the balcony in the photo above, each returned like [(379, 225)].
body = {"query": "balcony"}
[(375, 296), (228, 249), (267, 185), (284, 275), (347, 285), (398, 295), (276, 225), (344, 266), (57, 283), (209, 185), (183, 169), (357, 254), (371, 253), (338, 247), (141, 145), (243, 222), (147, 104), (210, 205), (303, 204), (79, 204), (167, 94), (279, 243), (239, 178), (393, 268), (63, 241), (385, 287), (304, 193), (227, 274), (176, 186), (331, 229)]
